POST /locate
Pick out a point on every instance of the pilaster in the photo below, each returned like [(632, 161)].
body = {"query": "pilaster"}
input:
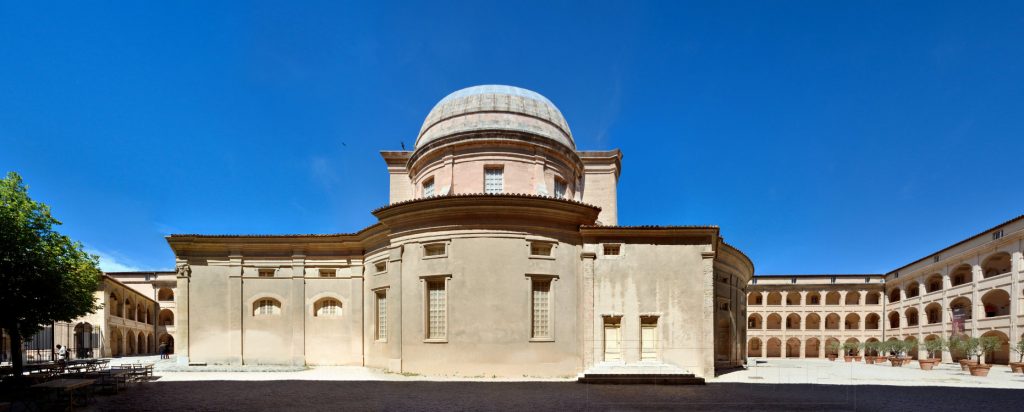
[(297, 316), (181, 345), (588, 337), (708, 325)]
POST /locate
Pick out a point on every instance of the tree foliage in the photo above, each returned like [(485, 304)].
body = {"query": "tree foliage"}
[(45, 277)]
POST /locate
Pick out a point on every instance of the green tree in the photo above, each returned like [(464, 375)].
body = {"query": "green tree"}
[(45, 277)]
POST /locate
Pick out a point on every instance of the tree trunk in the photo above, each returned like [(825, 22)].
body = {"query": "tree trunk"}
[(16, 360)]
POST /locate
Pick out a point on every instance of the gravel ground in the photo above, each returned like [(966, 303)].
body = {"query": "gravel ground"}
[(543, 396)]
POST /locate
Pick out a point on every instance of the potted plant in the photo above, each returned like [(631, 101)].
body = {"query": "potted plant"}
[(869, 349), (850, 351), (986, 345), (934, 348), (1018, 366), (832, 349), (967, 346)]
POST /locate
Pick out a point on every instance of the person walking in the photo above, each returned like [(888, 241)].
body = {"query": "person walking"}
[(163, 351)]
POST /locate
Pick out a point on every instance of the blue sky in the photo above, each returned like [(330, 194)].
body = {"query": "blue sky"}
[(823, 137)]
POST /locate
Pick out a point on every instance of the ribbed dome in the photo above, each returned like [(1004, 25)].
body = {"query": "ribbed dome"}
[(495, 108)]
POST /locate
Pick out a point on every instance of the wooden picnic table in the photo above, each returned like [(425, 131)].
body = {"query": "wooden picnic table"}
[(69, 387)]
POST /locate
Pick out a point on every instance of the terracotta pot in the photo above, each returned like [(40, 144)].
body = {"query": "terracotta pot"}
[(1017, 367), (857, 358), (847, 358), (966, 363), (869, 360), (980, 370), (926, 364), (896, 361), (832, 358)]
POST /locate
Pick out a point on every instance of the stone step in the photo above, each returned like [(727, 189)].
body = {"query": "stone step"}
[(641, 379)]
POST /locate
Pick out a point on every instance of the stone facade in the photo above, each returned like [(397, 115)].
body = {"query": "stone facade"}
[(498, 254), (981, 275)]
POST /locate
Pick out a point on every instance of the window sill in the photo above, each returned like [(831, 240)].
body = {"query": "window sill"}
[(542, 339), (380, 341), (542, 257), (445, 340), (435, 257)]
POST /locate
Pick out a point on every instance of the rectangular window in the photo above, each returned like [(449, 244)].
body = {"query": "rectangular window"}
[(997, 234), (833, 279), (540, 248), (434, 249), (381, 315), (380, 267), (867, 280), (437, 309), (612, 249), (328, 273), (793, 280), (428, 187), (541, 303), (560, 187), (494, 181), (754, 281), (266, 273)]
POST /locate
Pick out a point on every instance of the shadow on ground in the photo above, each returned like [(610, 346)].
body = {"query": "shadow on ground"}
[(535, 396)]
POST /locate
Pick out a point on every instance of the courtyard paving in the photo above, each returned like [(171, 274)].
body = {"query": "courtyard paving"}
[(780, 385)]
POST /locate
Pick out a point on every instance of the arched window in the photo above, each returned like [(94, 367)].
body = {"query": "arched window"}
[(166, 318), (996, 264), (961, 275), (832, 298), (934, 283), (853, 298), (266, 307), (327, 308), (996, 303), (165, 294), (873, 298), (115, 305)]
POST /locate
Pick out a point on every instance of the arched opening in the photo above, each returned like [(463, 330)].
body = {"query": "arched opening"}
[(327, 308), (832, 321), (894, 295), (832, 298), (129, 341), (853, 351), (140, 314), (812, 348), (774, 348), (934, 313), (85, 341), (115, 305), (165, 295), (793, 348), (912, 317), (813, 322), (962, 304), (149, 343), (754, 321), (912, 353), (141, 346), (1001, 356), (996, 302), (813, 298), (166, 318), (996, 265), (934, 283), (873, 298), (116, 342), (961, 275), (792, 299), (774, 298), (167, 340), (853, 298), (852, 321), (871, 352), (754, 298), (128, 311), (754, 348), (894, 320), (831, 347), (793, 321), (871, 321), (913, 290), (774, 321)]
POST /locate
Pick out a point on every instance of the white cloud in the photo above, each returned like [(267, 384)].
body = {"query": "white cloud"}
[(110, 264)]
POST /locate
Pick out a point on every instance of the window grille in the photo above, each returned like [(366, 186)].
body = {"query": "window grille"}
[(328, 273), (328, 308), (997, 234), (382, 315), (540, 248), (437, 317), (541, 308), (612, 249), (428, 187), (434, 249), (266, 307), (560, 187), (493, 180)]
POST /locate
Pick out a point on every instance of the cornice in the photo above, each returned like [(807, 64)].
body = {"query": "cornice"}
[(509, 206)]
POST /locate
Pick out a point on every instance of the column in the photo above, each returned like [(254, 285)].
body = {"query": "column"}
[(181, 345), (977, 309), (589, 339), (1016, 267)]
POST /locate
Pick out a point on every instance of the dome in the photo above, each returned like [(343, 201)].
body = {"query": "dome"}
[(495, 108)]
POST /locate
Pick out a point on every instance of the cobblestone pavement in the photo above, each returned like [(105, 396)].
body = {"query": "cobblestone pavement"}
[(544, 396)]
